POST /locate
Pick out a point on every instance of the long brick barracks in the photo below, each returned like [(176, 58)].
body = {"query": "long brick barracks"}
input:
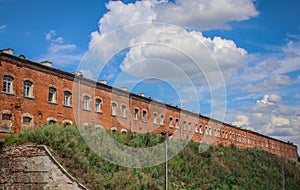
[(33, 94)]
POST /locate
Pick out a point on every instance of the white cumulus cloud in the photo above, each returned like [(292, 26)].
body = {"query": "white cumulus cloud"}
[(205, 14), (151, 47)]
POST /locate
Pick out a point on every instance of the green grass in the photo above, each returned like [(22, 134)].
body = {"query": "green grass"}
[(217, 168)]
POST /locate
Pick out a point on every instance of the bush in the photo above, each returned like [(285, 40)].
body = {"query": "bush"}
[(215, 168)]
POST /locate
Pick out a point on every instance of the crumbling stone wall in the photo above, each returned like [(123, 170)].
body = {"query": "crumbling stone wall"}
[(30, 166)]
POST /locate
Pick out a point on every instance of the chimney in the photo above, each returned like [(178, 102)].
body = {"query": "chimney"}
[(123, 88), (78, 73), (102, 81), (9, 51), (47, 63), (141, 94)]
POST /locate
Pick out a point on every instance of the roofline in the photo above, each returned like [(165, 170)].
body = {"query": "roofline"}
[(89, 82)]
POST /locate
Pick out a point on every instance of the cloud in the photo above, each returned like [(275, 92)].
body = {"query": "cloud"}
[(270, 99), (179, 53), (270, 116), (191, 14), (205, 15), (50, 35), (121, 14), (272, 82), (3, 28), (241, 121), (163, 39), (59, 52), (167, 51)]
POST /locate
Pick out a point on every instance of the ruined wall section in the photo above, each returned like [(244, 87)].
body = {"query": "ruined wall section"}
[(33, 167)]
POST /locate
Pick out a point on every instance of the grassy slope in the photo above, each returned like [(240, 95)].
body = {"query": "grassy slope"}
[(218, 168)]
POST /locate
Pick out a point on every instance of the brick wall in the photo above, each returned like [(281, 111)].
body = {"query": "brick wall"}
[(41, 111)]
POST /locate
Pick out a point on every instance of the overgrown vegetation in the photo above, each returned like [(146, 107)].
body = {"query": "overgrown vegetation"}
[(217, 168)]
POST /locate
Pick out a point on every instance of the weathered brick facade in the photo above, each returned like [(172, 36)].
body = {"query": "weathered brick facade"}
[(33, 94)]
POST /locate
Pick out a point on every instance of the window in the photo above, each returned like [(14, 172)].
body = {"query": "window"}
[(219, 133), (51, 120), (8, 84), (52, 95), (171, 122), (177, 123), (189, 126), (136, 114), (162, 119), (154, 118), (28, 89), (123, 131), (67, 98), (226, 134), (215, 132), (98, 105), (114, 109), (123, 111), (6, 122), (184, 125), (144, 115), (86, 103), (206, 130), (196, 128), (200, 129), (114, 129), (67, 122), (210, 131), (26, 120)]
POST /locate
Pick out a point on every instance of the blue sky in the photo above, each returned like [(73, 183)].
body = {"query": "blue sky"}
[(255, 45)]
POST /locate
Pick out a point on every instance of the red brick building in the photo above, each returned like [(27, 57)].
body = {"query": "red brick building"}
[(33, 94)]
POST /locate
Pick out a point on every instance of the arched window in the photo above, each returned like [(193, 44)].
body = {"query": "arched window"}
[(154, 118), (189, 126), (27, 121), (123, 131), (162, 119), (177, 123), (136, 114), (171, 122), (196, 128), (184, 125), (215, 132), (86, 103), (123, 111), (206, 130), (8, 84), (66, 122), (98, 105), (6, 122), (144, 115), (114, 129), (200, 129), (67, 98), (52, 122), (52, 95), (114, 109), (28, 89)]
